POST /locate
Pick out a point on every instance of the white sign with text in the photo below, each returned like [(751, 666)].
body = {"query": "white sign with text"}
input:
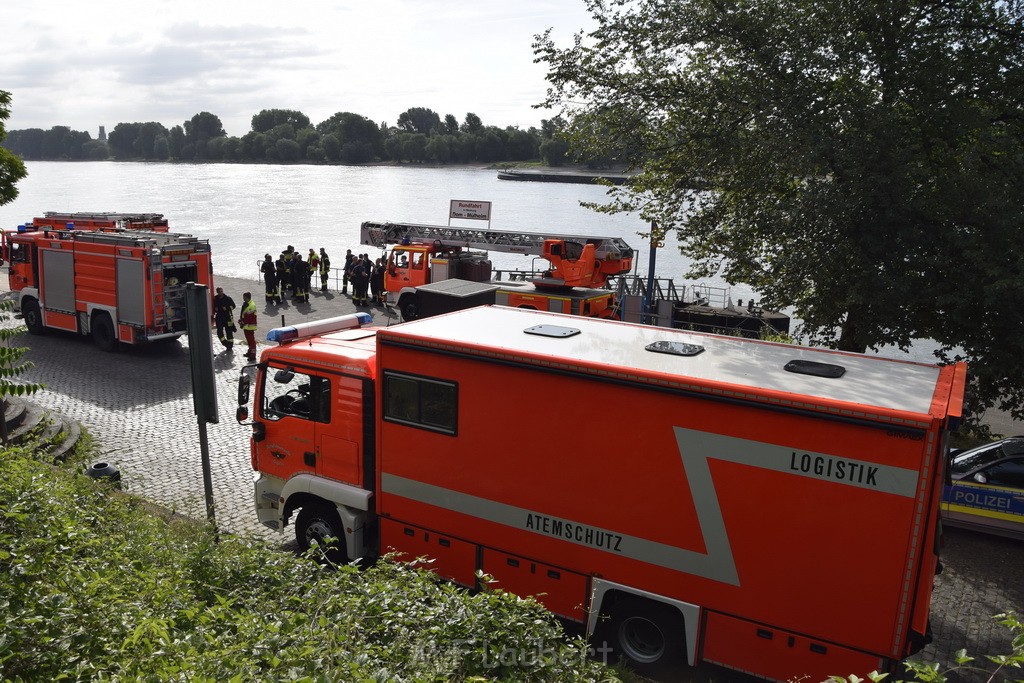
[(478, 211)]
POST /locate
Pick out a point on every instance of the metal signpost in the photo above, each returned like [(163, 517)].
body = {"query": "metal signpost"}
[(204, 390)]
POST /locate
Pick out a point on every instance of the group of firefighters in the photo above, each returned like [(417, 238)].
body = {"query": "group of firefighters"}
[(290, 272), (366, 276)]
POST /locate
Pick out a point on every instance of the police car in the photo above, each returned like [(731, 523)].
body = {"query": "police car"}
[(986, 488)]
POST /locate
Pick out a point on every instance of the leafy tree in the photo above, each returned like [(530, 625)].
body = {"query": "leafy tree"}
[(12, 169), (27, 143), (253, 146), (331, 147), (473, 124), (550, 127), (352, 129), (271, 118), (176, 142), (161, 148), (439, 148), (419, 120), (490, 145), (553, 151), (287, 150), (451, 124), (307, 137), (861, 162), (11, 363), (97, 150), (121, 140), (356, 152), (521, 145), (201, 128), (145, 139)]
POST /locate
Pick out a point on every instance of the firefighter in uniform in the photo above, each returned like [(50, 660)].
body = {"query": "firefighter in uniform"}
[(223, 317), (325, 269), (346, 273), (248, 323), (269, 270), (313, 261), (300, 277)]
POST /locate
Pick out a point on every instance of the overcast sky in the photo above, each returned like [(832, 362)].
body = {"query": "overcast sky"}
[(87, 64)]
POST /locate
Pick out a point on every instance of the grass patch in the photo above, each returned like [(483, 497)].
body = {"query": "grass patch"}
[(96, 588)]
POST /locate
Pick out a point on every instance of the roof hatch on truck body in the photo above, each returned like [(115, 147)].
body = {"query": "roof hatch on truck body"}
[(730, 367)]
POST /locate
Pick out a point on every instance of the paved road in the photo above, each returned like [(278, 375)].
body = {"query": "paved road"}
[(137, 403)]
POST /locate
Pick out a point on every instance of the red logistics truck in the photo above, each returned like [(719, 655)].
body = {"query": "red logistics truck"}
[(765, 507)]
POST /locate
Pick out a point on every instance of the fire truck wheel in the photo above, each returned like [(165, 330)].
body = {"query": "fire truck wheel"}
[(649, 635), (407, 307), (103, 332), (33, 318), (318, 522)]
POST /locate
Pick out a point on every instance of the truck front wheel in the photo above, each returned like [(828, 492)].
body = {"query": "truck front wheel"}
[(102, 329), (649, 635), (33, 317), (320, 522), (407, 307)]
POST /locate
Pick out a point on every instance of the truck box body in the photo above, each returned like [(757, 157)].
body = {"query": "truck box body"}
[(788, 520)]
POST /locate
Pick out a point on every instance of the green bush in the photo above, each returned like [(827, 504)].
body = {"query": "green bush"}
[(97, 588)]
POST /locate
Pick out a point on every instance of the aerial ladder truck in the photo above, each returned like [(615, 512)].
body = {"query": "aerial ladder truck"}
[(579, 266)]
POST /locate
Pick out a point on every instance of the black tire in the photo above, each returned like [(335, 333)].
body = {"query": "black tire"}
[(648, 635), (407, 307), (32, 316), (103, 334), (320, 522)]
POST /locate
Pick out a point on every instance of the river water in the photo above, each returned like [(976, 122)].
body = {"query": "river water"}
[(248, 210)]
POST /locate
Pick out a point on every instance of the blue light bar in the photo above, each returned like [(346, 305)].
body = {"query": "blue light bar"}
[(303, 330)]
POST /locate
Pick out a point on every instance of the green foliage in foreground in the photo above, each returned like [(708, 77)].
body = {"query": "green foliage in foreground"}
[(989, 668), (95, 588)]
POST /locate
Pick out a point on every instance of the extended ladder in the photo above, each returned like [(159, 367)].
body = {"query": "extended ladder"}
[(380, 234)]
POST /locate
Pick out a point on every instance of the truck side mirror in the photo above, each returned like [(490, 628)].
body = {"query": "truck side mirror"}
[(243, 389)]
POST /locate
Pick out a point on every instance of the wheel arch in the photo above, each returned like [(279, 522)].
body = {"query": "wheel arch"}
[(605, 595), (351, 502)]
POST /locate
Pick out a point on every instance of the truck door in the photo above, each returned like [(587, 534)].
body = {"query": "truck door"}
[(313, 424), (286, 406)]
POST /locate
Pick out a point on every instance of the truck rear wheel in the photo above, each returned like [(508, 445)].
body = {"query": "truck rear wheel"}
[(320, 522), (649, 635), (102, 330), (32, 316)]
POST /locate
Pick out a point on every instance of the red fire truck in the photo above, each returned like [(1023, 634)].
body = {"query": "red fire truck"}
[(116, 285), (764, 507), (577, 266)]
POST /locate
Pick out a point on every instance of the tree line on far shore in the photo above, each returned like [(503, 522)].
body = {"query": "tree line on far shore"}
[(287, 136)]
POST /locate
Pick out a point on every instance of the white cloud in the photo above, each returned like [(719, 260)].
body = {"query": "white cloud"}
[(101, 63)]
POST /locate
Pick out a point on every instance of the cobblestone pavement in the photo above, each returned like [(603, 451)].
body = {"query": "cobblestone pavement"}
[(138, 405)]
